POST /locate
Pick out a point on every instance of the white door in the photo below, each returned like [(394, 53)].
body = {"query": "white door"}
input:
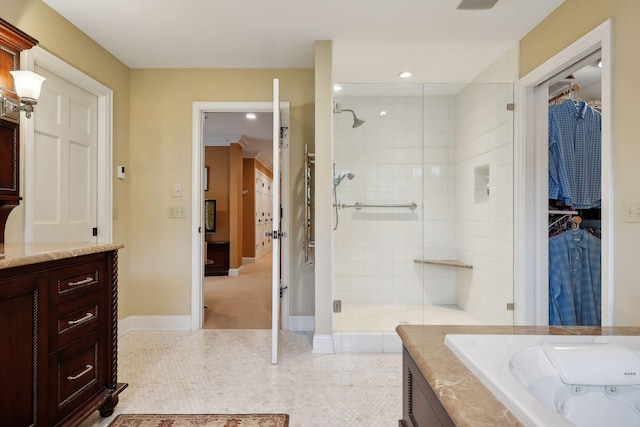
[(65, 163), (275, 285)]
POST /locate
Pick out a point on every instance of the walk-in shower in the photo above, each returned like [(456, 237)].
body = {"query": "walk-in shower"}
[(421, 240)]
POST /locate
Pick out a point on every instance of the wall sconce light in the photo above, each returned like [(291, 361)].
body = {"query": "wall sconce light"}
[(28, 85)]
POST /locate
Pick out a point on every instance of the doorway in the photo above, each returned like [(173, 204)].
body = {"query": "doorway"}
[(238, 193), (532, 268), (198, 174)]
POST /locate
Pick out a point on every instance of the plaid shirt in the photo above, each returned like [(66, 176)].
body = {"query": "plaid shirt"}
[(574, 154), (574, 279)]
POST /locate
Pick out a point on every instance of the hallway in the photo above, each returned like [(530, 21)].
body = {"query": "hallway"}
[(239, 302)]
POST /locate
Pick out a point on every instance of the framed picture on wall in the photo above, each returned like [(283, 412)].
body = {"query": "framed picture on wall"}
[(210, 216), (205, 178)]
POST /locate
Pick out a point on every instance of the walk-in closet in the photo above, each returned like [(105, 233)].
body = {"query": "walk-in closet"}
[(575, 194)]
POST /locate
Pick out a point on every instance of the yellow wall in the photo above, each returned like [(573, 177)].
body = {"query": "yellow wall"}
[(161, 110), (235, 204), (217, 160), (155, 265), (569, 22), (56, 35)]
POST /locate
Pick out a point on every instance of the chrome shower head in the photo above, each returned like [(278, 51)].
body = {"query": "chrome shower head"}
[(337, 108), (338, 179), (356, 121)]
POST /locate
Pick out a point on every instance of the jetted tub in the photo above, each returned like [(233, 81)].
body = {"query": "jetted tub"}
[(527, 373)]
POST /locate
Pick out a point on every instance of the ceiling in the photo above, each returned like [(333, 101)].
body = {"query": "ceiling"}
[(372, 40), (254, 135)]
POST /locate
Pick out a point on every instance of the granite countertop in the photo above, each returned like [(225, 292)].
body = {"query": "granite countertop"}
[(15, 255), (467, 401)]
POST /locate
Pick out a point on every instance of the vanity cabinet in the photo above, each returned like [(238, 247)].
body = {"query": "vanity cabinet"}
[(58, 320), (420, 405)]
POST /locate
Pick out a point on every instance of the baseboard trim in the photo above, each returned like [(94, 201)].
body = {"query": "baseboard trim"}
[(249, 260), (302, 323), (161, 323), (323, 344), (235, 272)]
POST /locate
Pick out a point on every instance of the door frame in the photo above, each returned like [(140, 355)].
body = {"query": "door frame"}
[(531, 156), (197, 202), (104, 95)]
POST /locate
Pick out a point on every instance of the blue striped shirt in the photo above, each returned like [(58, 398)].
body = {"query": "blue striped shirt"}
[(574, 279), (574, 154)]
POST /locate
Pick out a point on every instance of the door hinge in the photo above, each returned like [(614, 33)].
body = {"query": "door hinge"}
[(94, 231), (282, 289), (511, 306), (511, 106)]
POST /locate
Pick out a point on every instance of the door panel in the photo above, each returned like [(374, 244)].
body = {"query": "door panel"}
[(275, 291), (65, 173)]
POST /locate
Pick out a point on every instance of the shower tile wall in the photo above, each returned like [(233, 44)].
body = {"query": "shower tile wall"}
[(402, 157)]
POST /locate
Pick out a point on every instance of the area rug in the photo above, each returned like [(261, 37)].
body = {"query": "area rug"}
[(201, 420)]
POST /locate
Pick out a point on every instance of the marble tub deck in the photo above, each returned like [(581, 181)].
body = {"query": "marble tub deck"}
[(467, 401)]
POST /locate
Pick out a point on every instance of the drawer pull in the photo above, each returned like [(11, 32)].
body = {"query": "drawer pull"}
[(81, 320), (81, 282), (86, 371)]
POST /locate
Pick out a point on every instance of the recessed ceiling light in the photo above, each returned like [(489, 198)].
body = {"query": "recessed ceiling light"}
[(405, 74), (337, 88), (250, 116), (383, 113)]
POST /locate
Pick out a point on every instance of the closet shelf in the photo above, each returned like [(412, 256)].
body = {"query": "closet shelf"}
[(445, 262)]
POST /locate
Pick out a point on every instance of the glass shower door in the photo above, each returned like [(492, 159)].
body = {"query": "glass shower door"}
[(423, 206)]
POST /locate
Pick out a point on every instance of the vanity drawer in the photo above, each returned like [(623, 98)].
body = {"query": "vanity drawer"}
[(75, 280), (74, 319), (77, 373)]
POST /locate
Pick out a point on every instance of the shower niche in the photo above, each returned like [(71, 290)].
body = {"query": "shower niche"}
[(482, 176), (445, 152)]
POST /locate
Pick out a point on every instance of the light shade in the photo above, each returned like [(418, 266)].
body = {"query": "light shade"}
[(28, 84)]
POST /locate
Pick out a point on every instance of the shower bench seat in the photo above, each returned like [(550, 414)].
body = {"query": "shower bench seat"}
[(445, 262)]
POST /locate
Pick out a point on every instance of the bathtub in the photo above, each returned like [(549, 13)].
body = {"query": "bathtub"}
[(520, 374)]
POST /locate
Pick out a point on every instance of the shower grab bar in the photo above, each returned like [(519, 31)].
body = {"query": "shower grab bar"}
[(359, 205)]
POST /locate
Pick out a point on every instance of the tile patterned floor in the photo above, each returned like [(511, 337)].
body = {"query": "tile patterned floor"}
[(229, 371)]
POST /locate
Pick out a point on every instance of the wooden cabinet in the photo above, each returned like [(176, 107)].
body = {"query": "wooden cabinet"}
[(264, 214), (217, 259), (421, 406), (12, 42), (58, 321)]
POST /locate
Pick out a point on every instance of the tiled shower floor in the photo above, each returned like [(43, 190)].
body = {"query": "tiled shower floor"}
[(230, 371)]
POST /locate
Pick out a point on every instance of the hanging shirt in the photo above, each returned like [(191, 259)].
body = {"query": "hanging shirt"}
[(574, 279), (575, 135)]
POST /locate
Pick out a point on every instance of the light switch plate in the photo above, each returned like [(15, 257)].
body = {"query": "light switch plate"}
[(632, 210), (177, 190)]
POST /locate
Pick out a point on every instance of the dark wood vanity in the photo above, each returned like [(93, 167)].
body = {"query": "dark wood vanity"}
[(58, 326)]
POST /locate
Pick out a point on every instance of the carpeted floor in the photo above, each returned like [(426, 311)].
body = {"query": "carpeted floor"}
[(202, 420), (239, 302)]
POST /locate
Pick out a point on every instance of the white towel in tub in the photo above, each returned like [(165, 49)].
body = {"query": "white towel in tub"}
[(596, 364)]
